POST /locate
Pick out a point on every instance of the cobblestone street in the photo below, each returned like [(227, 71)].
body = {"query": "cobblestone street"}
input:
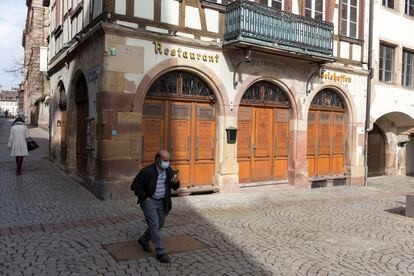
[(50, 225)]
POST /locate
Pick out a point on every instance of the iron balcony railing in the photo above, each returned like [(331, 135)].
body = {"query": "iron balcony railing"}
[(251, 22)]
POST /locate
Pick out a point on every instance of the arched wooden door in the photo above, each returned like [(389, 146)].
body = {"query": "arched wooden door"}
[(263, 134), (326, 135), (376, 152), (179, 115), (82, 113)]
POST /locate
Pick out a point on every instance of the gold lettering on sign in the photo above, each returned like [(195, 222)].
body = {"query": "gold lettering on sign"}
[(160, 49), (336, 77)]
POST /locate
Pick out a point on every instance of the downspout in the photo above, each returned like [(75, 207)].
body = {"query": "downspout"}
[(369, 81)]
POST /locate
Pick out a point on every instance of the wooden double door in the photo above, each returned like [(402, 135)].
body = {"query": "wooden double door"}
[(263, 143), (187, 129), (326, 142)]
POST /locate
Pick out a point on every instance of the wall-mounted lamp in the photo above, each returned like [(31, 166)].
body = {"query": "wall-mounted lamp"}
[(247, 59), (231, 135)]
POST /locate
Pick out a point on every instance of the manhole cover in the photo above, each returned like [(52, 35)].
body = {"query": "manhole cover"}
[(131, 250)]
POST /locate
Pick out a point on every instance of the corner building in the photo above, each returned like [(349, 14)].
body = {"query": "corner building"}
[(131, 77), (390, 143)]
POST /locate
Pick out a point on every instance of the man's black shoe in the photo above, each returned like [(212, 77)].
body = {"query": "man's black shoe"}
[(145, 246), (163, 258)]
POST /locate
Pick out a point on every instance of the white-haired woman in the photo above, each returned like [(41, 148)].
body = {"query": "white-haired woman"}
[(17, 143)]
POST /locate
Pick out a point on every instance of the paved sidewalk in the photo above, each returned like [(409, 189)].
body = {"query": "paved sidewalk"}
[(50, 225)]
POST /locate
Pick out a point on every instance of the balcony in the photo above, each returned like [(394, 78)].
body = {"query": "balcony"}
[(251, 25)]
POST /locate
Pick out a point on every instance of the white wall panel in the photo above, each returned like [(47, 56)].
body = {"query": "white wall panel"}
[(356, 52), (212, 19), (192, 18), (169, 11), (120, 7), (344, 50), (144, 9)]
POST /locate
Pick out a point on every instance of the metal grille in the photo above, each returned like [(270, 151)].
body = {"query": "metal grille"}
[(180, 84), (328, 98), (265, 93)]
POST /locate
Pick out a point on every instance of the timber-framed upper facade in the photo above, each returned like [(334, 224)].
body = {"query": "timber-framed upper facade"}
[(205, 20)]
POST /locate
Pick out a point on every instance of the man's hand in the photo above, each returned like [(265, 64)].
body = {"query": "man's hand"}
[(175, 179)]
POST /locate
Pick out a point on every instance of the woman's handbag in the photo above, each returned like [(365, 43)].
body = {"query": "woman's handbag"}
[(31, 144)]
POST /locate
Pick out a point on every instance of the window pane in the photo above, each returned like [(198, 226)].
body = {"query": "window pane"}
[(277, 5), (319, 5), (353, 30), (308, 13), (353, 14), (308, 4), (391, 4), (344, 27), (319, 15), (354, 3)]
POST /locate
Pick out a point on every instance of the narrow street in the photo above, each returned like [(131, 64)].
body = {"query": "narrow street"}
[(50, 225)]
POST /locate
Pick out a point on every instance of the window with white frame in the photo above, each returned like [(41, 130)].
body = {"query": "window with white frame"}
[(409, 7), (349, 18), (386, 66), (314, 9), (407, 78), (388, 3)]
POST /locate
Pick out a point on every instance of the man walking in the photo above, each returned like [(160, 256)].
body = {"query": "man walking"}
[(153, 186)]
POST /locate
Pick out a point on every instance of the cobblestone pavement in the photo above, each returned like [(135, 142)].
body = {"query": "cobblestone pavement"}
[(50, 225)]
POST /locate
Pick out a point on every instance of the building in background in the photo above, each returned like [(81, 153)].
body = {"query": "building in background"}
[(240, 93), (36, 85), (8, 102), (390, 147)]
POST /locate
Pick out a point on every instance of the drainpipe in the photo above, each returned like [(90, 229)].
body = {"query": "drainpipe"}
[(369, 81)]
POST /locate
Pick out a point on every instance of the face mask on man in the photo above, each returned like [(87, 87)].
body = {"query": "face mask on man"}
[(165, 164)]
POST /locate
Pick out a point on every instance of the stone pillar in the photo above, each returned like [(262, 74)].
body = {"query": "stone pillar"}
[(227, 176), (298, 172)]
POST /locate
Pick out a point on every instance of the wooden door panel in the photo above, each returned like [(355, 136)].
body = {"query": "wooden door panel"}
[(152, 130), (338, 164), (324, 133), (244, 139), (280, 169), (311, 166), (179, 130), (244, 171), (244, 143), (323, 165), (152, 141), (281, 127), (262, 170), (338, 135), (263, 131), (204, 173), (312, 133)]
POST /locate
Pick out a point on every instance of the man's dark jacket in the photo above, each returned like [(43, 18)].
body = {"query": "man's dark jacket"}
[(145, 183)]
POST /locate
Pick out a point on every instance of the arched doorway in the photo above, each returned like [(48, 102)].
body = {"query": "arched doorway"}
[(263, 130), (82, 113), (179, 115), (61, 123), (376, 152), (326, 135)]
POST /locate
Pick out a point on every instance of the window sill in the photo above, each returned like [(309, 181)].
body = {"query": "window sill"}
[(409, 17), (351, 40)]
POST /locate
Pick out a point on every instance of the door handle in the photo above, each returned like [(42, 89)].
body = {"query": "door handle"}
[(196, 153), (254, 146), (188, 148)]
